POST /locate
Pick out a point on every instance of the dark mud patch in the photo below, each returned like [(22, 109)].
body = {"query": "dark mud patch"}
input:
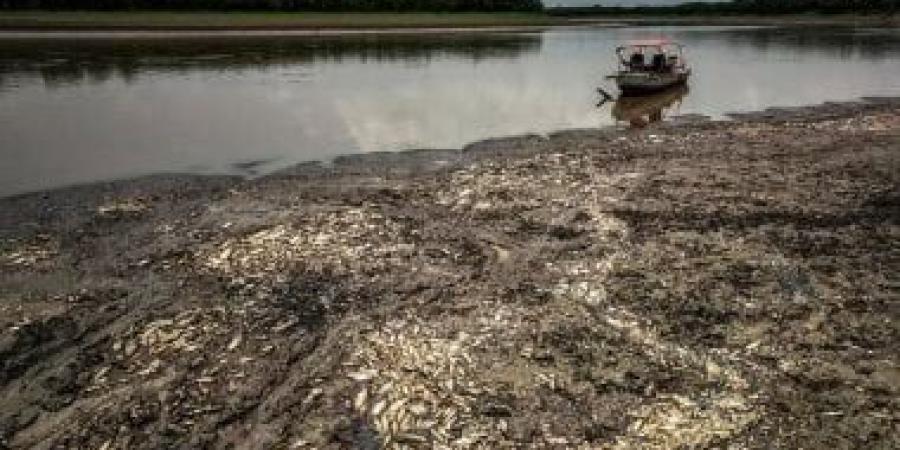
[(704, 284)]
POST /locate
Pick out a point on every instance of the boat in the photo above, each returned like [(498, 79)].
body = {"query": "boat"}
[(640, 111), (650, 66)]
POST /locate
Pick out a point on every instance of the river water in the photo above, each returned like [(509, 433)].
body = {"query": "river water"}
[(78, 108)]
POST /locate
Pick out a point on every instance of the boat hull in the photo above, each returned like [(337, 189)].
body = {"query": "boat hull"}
[(643, 83)]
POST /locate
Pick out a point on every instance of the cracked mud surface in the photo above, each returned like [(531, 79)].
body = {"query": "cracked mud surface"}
[(718, 284)]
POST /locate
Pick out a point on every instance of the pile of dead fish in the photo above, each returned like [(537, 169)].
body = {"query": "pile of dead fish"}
[(37, 253), (344, 240), (122, 208)]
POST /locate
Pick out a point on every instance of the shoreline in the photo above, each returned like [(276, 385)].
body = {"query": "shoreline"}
[(161, 21), (152, 22), (259, 32), (690, 284), (812, 20)]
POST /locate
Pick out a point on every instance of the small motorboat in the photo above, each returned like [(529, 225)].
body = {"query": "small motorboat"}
[(650, 66)]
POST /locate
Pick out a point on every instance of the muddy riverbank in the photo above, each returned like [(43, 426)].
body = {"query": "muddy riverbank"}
[(710, 284), (46, 20), (788, 20)]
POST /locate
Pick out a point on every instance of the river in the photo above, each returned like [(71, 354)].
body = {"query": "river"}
[(77, 107)]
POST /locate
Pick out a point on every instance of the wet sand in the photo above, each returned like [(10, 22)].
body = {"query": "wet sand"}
[(778, 20), (694, 284)]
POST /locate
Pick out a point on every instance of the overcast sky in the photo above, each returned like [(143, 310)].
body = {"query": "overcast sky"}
[(615, 2)]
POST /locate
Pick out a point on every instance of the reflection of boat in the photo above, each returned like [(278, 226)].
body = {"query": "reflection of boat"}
[(643, 110), (650, 66)]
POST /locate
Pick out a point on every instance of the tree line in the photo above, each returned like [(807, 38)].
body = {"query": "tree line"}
[(742, 7), (821, 6), (729, 7), (281, 5)]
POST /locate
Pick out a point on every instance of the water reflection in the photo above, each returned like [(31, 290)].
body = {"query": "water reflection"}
[(841, 42), (641, 111), (66, 61)]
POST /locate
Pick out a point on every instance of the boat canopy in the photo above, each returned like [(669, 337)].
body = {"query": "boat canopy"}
[(639, 45), (651, 43)]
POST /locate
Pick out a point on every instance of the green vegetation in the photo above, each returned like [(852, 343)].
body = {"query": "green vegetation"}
[(214, 14), (742, 7), (260, 20), (350, 14)]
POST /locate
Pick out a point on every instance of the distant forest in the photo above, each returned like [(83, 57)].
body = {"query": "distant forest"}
[(281, 5), (725, 7), (743, 7)]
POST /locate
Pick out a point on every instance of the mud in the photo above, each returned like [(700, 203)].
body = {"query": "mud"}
[(691, 285)]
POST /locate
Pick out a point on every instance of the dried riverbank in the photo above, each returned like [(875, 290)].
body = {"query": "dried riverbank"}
[(703, 284)]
